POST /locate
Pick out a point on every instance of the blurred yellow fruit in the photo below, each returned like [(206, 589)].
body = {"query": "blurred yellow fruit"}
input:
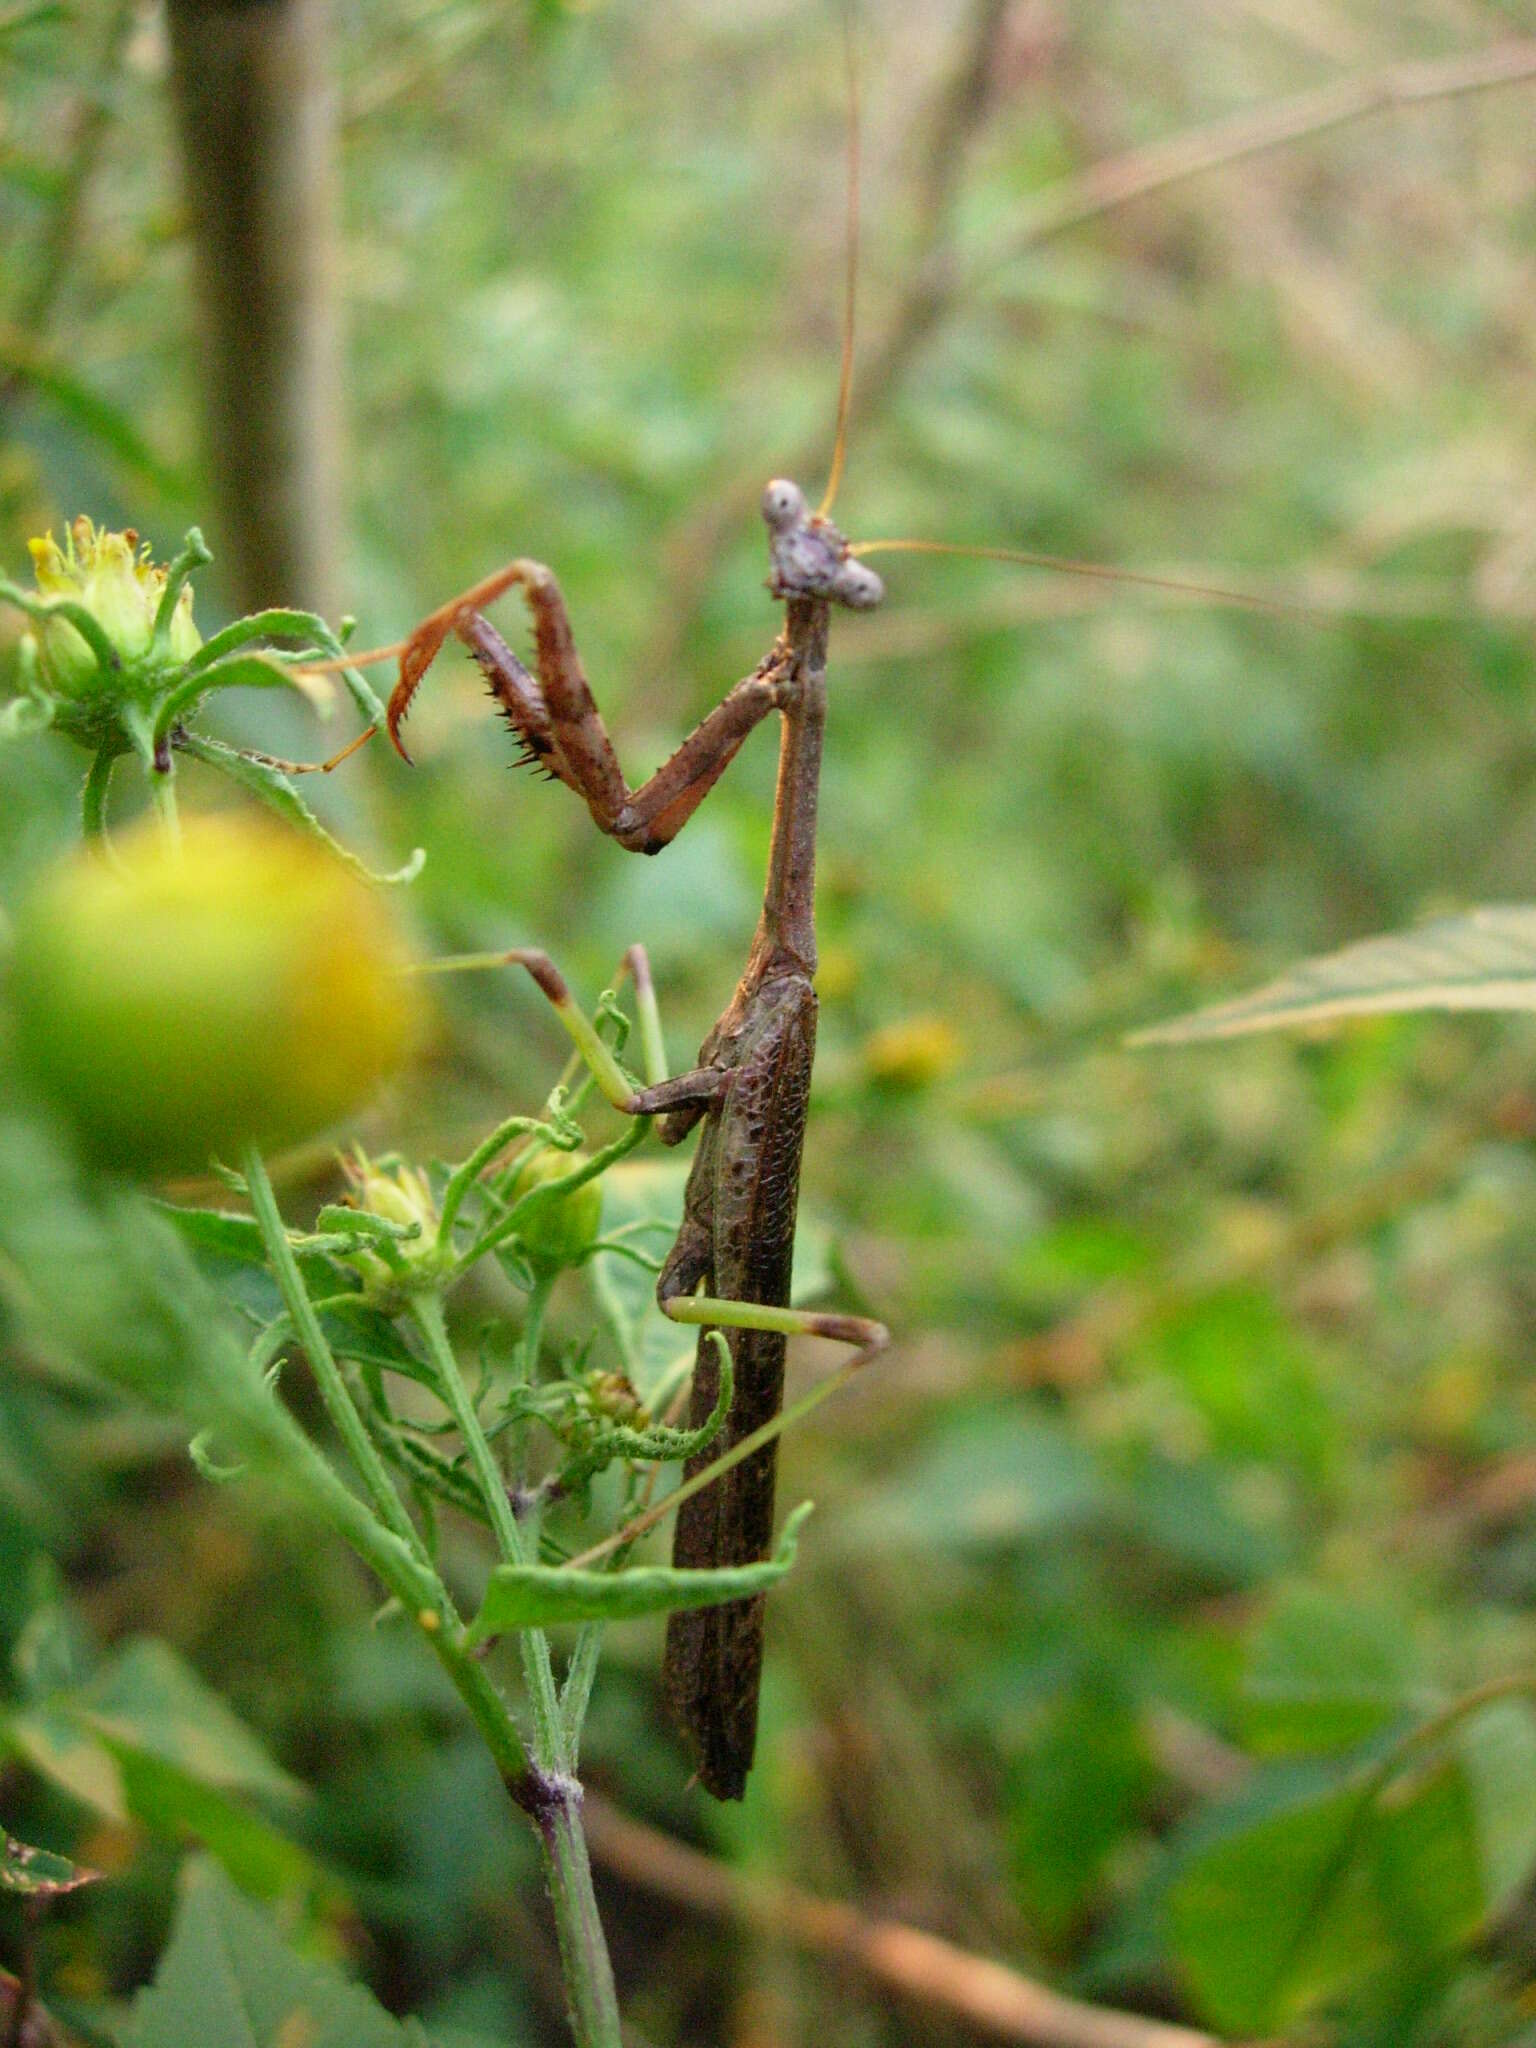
[(181, 1001)]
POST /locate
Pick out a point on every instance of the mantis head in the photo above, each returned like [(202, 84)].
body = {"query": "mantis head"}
[(810, 558)]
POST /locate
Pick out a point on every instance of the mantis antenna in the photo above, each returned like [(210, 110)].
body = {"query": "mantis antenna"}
[(1065, 566), (851, 270)]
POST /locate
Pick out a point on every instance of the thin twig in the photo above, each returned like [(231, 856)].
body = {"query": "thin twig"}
[(922, 1966), (1254, 131)]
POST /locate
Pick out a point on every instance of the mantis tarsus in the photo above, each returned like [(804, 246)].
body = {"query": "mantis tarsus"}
[(751, 1086)]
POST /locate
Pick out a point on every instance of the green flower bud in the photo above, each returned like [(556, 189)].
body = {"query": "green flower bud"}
[(558, 1229), (611, 1397), (400, 1194)]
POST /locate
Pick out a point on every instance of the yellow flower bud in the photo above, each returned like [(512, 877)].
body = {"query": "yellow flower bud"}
[(112, 577)]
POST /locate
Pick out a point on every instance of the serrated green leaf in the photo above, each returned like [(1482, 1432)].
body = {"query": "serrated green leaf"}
[(226, 1981), (543, 1596), (38, 1873), (224, 1231), (1481, 960)]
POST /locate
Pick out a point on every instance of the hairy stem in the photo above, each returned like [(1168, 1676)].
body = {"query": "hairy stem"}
[(339, 1405), (546, 1790)]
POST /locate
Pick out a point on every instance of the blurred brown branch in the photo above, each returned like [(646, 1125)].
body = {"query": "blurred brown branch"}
[(921, 1966), (256, 117)]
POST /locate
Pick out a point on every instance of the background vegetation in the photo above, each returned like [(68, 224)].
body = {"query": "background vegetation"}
[(1205, 1458)]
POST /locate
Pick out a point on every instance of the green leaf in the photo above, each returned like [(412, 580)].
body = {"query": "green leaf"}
[(643, 1198), (258, 1856), (147, 1701), (273, 788), (224, 1231), (68, 1756), (1497, 1750), (1425, 1858), (986, 1482), (1326, 1674), (542, 1596), (38, 1873), (1275, 1911), (146, 1741), (1481, 960), (226, 1981)]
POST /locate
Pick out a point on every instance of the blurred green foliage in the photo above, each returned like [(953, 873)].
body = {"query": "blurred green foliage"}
[(1202, 1469)]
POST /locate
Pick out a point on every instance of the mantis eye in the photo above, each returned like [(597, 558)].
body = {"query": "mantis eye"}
[(857, 587), (783, 505)]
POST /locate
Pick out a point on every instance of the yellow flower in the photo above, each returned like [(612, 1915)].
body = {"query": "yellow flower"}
[(112, 577)]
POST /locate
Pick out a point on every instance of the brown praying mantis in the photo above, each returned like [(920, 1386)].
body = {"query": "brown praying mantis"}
[(730, 1267)]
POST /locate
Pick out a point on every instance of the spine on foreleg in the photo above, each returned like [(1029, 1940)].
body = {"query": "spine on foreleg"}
[(714, 1655)]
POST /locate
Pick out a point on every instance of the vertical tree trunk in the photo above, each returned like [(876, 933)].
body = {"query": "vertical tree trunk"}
[(255, 112)]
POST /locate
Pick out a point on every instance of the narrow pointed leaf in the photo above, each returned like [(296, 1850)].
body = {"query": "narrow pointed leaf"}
[(542, 1596), (1480, 960), (274, 789)]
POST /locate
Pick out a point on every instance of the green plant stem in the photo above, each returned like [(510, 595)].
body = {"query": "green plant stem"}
[(463, 1177), (93, 796), (162, 792), (549, 1729), (345, 1419), (533, 1325), (594, 2005), (548, 1793), (427, 1308)]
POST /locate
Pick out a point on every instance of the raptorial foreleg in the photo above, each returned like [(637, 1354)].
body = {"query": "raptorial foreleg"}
[(556, 718)]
